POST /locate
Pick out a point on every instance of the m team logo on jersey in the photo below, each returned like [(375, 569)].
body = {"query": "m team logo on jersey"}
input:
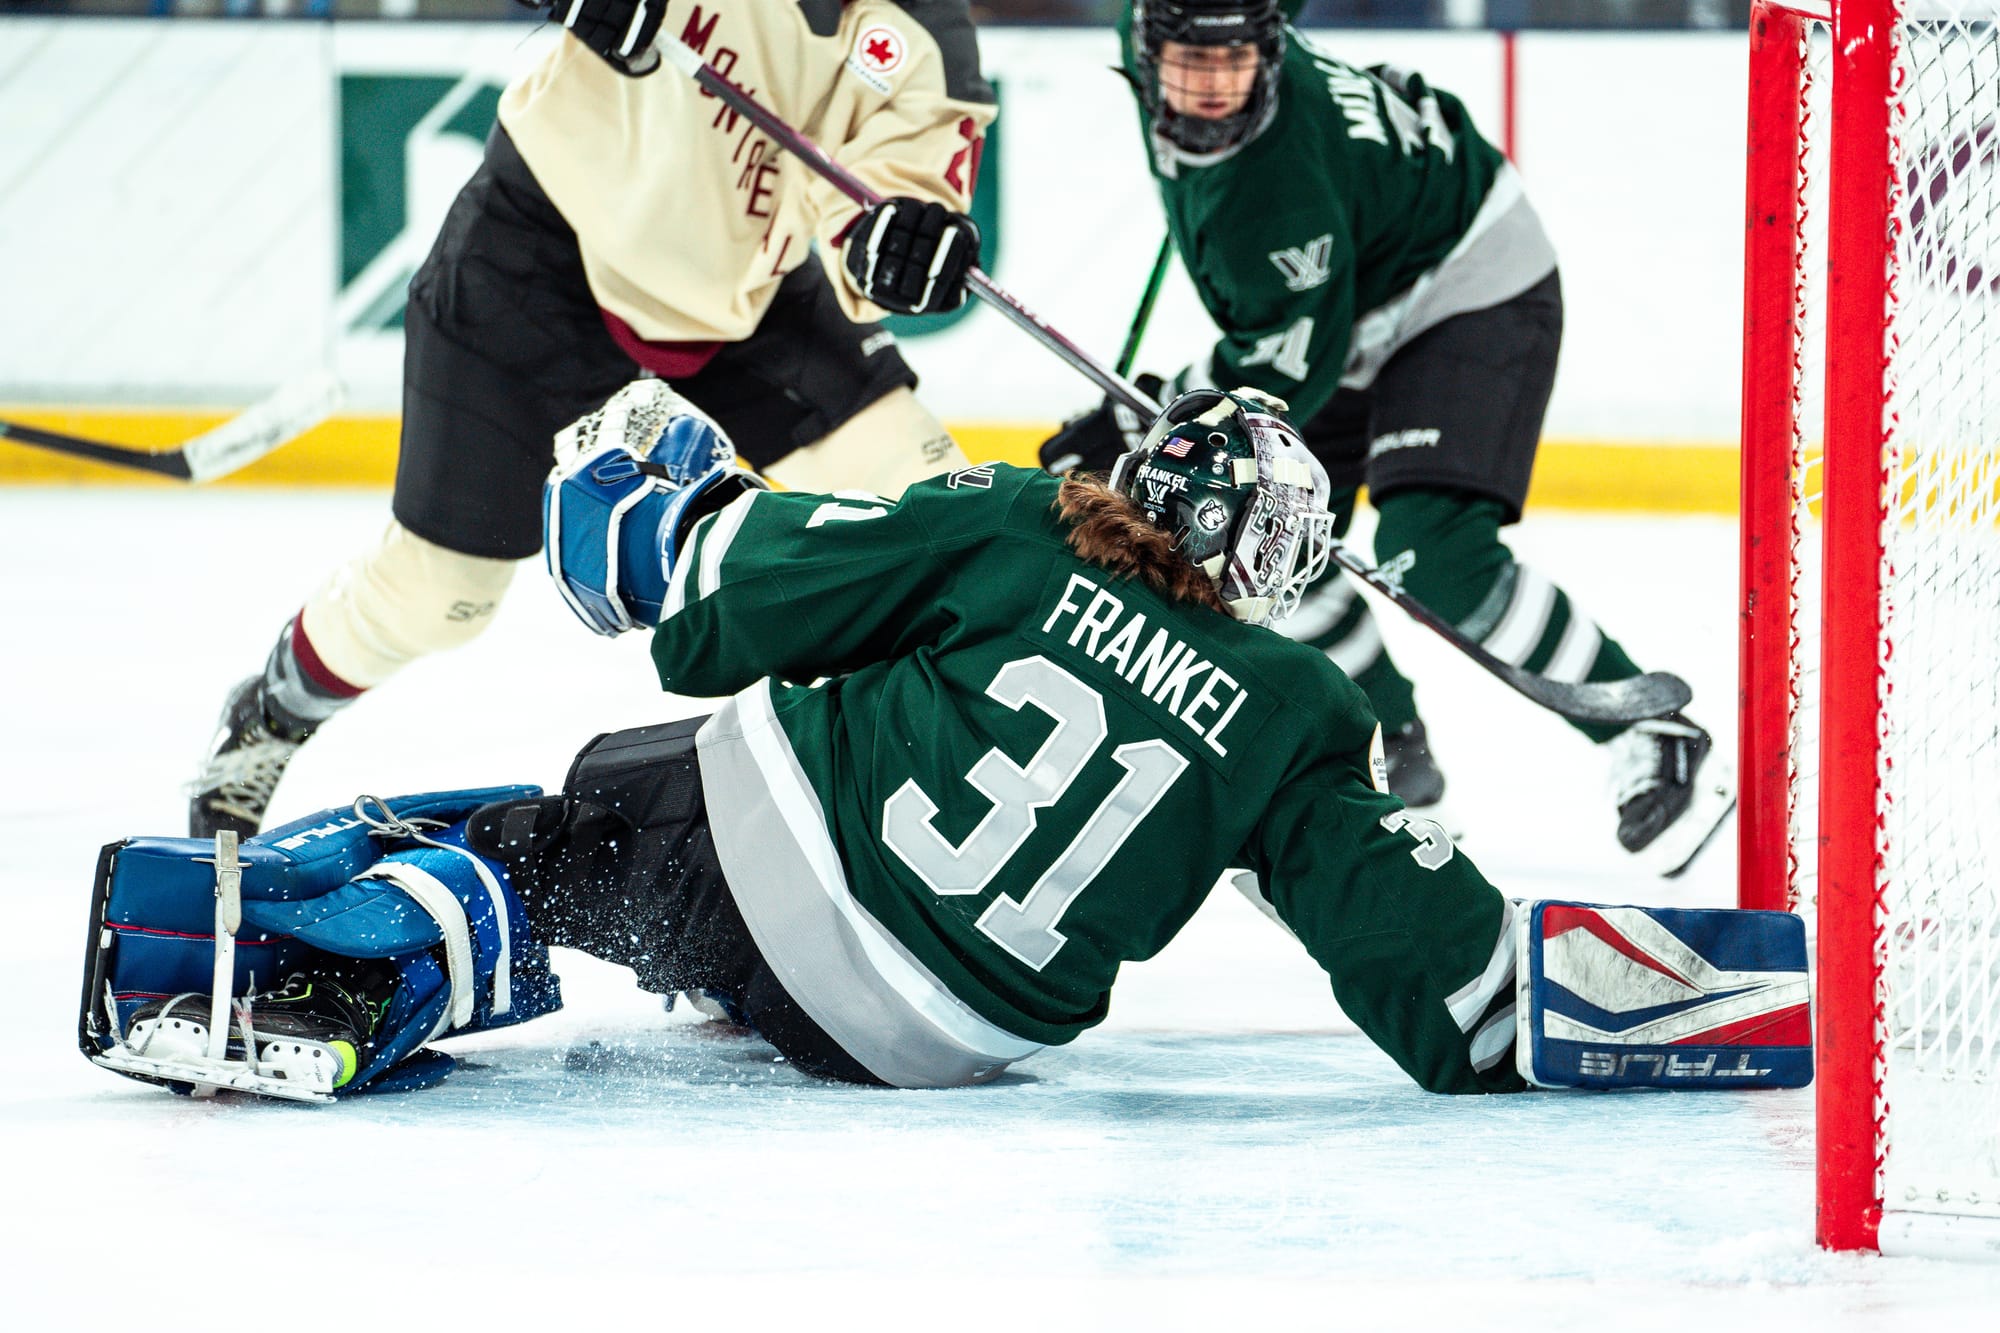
[(1306, 266), (1627, 995), (878, 53)]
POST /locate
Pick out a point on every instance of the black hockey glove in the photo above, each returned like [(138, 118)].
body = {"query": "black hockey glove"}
[(911, 257), (1093, 441), (621, 31)]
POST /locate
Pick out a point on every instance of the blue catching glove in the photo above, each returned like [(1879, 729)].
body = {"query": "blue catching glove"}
[(629, 480)]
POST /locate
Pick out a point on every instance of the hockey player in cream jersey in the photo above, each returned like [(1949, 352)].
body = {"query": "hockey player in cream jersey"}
[(625, 219)]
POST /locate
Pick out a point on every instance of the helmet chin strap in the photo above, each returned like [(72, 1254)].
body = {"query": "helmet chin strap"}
[(1249, 610), (1252, 610)]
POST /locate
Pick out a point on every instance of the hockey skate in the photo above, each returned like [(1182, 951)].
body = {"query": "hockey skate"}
[(1672, 793), (1413, 776), (310, 1032), (299, 1042), (242, 768)]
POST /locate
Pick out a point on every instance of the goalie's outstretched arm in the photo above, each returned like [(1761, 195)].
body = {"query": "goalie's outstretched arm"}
[(1470, 991)]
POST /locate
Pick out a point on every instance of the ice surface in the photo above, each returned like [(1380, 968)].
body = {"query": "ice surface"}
[(1224, 1152)]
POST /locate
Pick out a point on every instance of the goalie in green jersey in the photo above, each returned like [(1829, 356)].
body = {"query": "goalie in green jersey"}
[(1372, 260), (976, 749)]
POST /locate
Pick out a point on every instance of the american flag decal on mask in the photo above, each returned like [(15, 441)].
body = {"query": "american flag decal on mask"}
[(1659, 997), (1177, 447)]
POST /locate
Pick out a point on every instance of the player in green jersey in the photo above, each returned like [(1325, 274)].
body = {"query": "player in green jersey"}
[(978, 748), (1372, 260)]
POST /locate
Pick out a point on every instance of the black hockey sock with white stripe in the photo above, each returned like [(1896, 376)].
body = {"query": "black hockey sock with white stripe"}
[(1529, 622), (1447, 546)]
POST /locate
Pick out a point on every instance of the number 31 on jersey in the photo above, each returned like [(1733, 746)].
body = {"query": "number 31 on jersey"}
[(1026, 927)]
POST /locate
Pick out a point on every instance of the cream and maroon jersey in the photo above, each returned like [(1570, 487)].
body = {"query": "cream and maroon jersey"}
[(688, 216)]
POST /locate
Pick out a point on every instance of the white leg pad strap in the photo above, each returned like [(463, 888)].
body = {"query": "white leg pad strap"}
[(503, 967), (428, 893)]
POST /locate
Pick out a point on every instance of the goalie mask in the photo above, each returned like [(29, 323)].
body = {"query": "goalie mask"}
[(1209, 23), (1227, 475)]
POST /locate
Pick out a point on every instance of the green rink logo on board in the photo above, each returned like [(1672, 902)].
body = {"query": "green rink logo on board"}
[(408, 142)]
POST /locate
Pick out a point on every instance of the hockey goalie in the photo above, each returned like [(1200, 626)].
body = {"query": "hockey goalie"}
[(976, 749)]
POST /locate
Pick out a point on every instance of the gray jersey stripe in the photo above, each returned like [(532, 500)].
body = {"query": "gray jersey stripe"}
[(1471, 1000), (693, 551), (1494, 1042), (720, 534), (845, 970)]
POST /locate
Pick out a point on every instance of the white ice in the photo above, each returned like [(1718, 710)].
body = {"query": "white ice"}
[(1225, 1151)]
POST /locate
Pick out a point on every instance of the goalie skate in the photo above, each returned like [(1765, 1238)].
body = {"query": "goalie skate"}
[(306, 1036), (172, 1043), (311, 1030)]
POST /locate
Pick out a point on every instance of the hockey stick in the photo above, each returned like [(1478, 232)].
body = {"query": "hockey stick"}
[(1650, 695), (236, 443), (684, 58), (1144, 314)]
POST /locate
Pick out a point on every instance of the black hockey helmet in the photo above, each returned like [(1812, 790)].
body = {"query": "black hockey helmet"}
[(1245, 500), (1258, 23)]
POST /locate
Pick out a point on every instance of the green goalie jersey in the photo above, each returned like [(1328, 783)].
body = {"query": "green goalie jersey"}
[(1367, 210), (964, 775)]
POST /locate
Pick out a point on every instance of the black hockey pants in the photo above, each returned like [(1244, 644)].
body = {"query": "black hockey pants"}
[(621, 866)]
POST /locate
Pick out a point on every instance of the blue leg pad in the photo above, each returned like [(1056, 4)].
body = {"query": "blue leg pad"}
[(345, 883)]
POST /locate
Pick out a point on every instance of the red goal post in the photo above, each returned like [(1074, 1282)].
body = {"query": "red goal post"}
[(1870, 620)]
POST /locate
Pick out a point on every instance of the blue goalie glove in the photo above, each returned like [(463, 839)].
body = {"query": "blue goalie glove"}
[(312, 962), (630, 479)]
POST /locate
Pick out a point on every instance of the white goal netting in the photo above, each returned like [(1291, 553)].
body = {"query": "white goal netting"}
[(1935, 973)]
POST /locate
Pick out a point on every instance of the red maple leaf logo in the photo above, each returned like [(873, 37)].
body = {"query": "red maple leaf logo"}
[(881, 50)]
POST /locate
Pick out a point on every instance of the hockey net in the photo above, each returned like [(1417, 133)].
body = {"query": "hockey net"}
[(1871, 616)]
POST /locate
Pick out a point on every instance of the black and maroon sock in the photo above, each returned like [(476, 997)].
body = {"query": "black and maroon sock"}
[(300, 692)]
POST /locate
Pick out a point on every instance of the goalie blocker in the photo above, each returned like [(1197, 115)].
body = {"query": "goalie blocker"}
[(1621, 997), (184, 932)]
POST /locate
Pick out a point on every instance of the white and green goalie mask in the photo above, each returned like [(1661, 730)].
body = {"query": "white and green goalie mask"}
[(1227, 475)]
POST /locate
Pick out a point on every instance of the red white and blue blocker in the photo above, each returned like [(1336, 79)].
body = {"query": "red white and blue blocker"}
[(1662, 997)]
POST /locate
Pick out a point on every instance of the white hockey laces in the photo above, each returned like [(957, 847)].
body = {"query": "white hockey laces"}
[(244, 778)]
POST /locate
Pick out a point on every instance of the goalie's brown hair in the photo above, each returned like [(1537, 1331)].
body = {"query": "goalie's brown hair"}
[(1110, 532)]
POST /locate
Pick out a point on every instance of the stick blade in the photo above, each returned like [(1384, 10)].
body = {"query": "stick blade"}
[(1654, 694), (285, 415)]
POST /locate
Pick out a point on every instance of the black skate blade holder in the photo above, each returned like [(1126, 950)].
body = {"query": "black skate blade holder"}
[(192, 1054)]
